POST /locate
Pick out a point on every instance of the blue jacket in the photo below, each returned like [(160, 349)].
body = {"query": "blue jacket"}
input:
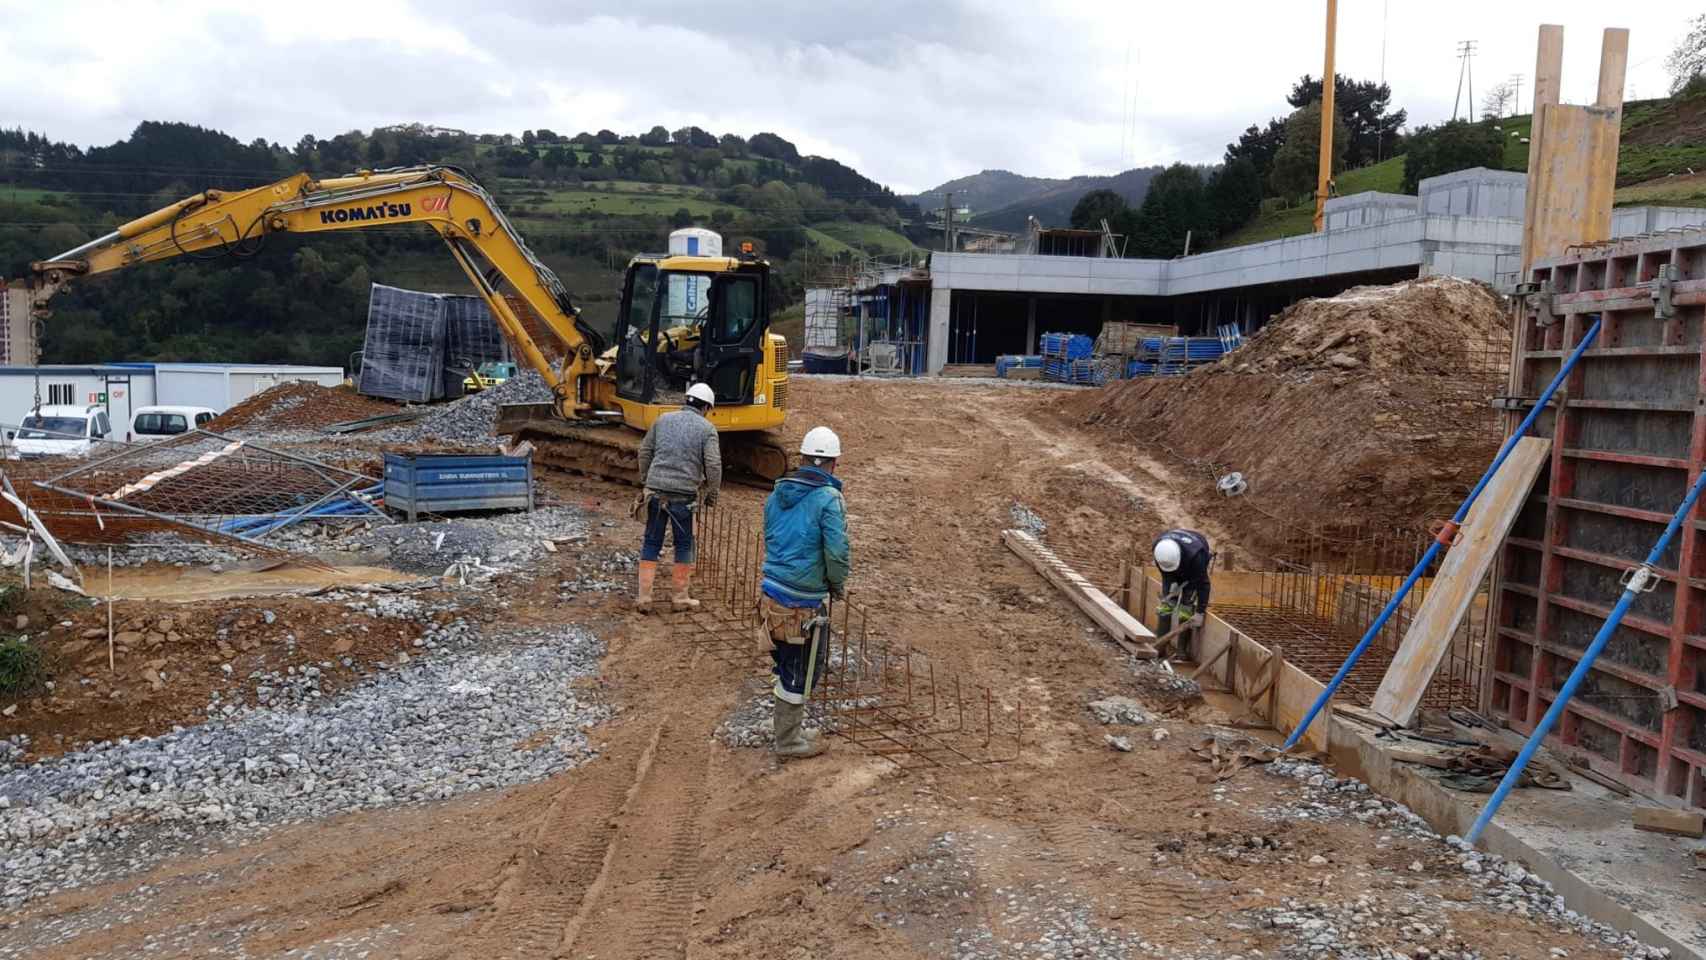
[(806, 552)]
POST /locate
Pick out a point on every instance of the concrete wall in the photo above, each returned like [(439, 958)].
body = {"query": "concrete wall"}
[(1368, 208), (1635, 221), (1476, 192)]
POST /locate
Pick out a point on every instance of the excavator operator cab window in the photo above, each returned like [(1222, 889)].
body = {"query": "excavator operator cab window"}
[(733, 347), (664, 316)]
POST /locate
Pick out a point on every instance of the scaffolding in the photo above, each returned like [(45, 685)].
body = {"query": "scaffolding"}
[(877, 308)]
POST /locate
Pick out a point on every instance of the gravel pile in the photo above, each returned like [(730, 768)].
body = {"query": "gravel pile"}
[(426, 730), (1026, 519), (469, 420), (748, 725), (1159, 685), (498, 542), (1121, 710), (1340, 929)]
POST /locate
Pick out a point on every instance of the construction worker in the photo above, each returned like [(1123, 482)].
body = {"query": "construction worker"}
[(1184, 559), (806, 561), (679, 459)]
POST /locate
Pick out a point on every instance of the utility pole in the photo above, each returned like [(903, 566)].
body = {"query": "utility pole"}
[(948, 222), (1465, 54), (1516, 92), (1324, 173)]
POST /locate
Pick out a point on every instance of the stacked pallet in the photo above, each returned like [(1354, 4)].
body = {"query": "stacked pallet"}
[(1012, 364), (1069, 358)]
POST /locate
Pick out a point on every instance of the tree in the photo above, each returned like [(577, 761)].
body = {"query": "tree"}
[(546, 136), (1233, 195), (1361, 105), (1258, 145), (1297, 161), (682, 217), (1096, 206), (1498, 100), (1174, 204), (1451, 146), (655, 137), (773, 147), (608, 137), (732, 145), (1688, 60)]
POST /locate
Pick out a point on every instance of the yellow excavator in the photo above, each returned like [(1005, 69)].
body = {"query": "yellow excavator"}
[(682, 318)]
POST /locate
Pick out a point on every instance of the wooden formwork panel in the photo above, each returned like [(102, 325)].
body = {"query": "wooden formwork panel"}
[(1629, 436)]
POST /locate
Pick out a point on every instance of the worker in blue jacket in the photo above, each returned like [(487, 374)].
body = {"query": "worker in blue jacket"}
[(806, 561)]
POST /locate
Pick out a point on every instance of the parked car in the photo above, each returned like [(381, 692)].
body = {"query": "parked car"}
[(60, 430), (148, 424)]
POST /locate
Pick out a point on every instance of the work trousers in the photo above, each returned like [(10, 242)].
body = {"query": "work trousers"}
[(668, 512), (790, 648)]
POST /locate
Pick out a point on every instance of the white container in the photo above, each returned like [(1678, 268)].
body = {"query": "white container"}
[(687, 294)]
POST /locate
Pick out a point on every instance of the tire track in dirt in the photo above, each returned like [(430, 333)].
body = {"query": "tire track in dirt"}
[(641, 904)]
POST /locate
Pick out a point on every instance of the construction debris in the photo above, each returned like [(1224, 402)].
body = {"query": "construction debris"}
[(1677, 823)]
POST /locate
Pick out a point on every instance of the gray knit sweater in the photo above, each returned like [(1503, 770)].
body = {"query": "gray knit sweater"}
[(680, 455)]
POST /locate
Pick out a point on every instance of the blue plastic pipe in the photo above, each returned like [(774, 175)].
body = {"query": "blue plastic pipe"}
[(1435, 547), (1637, 580)]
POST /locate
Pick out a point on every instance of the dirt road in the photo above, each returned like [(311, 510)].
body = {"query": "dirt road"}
[(670, 844)]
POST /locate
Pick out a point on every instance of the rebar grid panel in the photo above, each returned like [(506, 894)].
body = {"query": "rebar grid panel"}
[(1321, 602), (229, 490), (891, 701), (1629, 437)]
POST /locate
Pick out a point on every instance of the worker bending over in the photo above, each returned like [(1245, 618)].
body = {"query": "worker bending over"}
[(679, 458), (1184, 559), (806, 561)]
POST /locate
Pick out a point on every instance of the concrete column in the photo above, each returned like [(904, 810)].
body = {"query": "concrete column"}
[(936, 353), (1030, 325)]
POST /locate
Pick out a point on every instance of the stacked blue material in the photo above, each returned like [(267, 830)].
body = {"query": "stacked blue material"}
[(1062, 370), (1015, 361), (1071, 346)]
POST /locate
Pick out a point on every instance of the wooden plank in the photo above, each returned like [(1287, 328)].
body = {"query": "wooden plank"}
[(1133, 636), (1575, 176), (1458, 579), (1548, 84), (1677, 823)]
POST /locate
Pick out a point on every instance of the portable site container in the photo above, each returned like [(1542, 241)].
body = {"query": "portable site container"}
[(417, 483)]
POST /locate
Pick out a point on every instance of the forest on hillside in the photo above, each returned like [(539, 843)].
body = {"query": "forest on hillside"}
[(585, 204)]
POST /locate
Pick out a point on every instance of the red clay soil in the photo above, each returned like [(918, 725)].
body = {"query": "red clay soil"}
[(1365, 412), (301, 404)]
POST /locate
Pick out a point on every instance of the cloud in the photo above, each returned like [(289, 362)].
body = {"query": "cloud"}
[(911, 94)]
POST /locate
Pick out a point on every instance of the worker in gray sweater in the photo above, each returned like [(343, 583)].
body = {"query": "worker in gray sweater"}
[(678, 459)]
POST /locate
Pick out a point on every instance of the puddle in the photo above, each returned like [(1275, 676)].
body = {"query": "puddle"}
[(245, 580)]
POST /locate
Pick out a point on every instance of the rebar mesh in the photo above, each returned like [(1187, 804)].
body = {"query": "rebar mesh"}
[(888, 699), (220, 487)]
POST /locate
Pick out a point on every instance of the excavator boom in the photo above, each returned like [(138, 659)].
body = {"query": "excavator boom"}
[(531, 306)]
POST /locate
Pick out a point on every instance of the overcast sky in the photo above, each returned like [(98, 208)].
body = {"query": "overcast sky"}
[(911, 93)]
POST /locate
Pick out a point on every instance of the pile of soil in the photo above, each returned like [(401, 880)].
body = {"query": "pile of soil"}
[(301, 404), (1365, 413)]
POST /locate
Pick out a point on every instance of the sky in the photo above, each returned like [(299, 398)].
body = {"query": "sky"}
[(910, 93)]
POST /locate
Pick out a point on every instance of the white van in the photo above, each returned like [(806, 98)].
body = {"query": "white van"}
[(148, 424), (61, 430)]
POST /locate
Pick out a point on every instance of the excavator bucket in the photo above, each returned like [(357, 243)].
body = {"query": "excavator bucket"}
[(612, 452)]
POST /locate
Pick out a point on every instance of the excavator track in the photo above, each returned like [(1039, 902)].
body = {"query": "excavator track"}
[(612, 452)]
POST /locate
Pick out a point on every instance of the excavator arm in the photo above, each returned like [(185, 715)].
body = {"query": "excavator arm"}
[(529, 303)]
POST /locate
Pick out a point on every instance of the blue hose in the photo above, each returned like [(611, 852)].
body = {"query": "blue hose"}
[(1435, 547), (1637, 581)]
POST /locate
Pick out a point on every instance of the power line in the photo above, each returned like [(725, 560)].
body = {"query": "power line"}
[(1465, 54)]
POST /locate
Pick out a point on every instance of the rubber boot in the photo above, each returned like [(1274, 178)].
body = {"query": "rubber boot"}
[(681, 577), (648, 576), (792, 741)]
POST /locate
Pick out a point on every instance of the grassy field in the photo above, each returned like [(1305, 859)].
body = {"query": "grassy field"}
[(579, 203), (1386, 177), (826, 244), (23, 194), (868, 237), (791, 323)]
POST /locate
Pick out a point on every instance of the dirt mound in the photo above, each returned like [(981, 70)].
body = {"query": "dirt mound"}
[(301, 404), (1361, 413), (1441, 326)]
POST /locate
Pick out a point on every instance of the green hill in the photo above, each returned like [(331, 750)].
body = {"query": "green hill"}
[(1280, 218)]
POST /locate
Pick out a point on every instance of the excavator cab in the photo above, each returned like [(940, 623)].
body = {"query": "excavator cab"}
[(686, 319)]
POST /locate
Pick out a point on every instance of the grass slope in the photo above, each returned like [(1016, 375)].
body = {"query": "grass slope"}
[(1386, 177), (869, 237)]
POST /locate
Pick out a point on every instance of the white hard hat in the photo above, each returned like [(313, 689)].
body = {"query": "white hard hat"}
[(1167, 555), (702, 392), (821, 442)]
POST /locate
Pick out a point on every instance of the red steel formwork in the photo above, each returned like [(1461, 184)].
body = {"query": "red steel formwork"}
[(1629, 432)]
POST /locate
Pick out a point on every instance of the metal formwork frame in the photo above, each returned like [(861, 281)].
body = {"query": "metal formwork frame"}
[(1629, 432)]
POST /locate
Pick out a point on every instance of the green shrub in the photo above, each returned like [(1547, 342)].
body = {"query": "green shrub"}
[(20, 665)]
